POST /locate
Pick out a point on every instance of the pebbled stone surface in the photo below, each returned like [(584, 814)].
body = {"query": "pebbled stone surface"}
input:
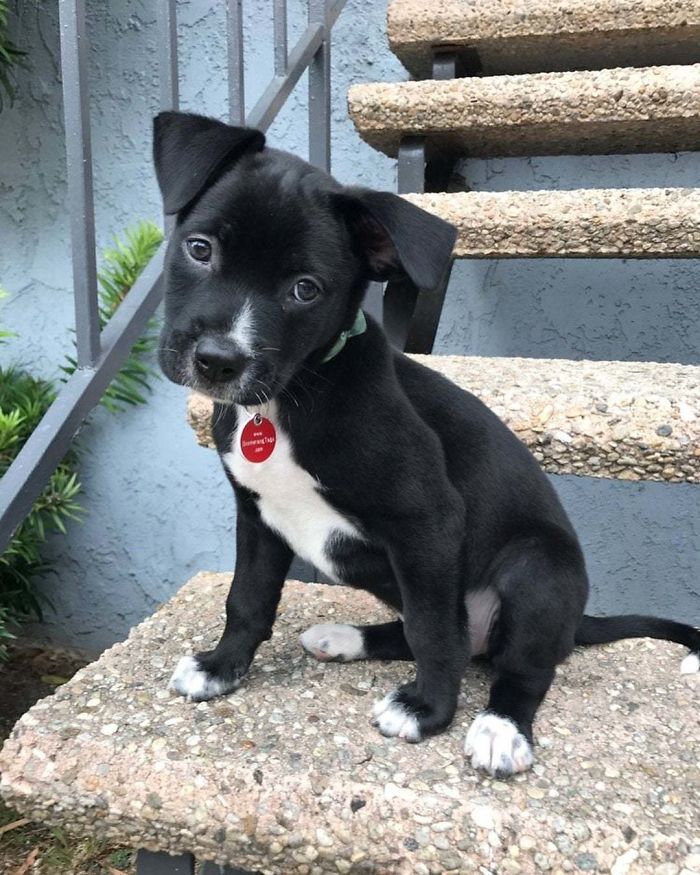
[(519, 36), (585, 223), (287, 774), (621, 420), (650, 109)]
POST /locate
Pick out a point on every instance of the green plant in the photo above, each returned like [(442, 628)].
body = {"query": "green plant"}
[(10, 57), (4, 333), (23, 401), (122, 266)]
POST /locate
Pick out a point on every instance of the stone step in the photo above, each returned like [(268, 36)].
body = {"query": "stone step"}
[(619, 420), (649, 109), (287, 775), (585, 223), (543, 35)]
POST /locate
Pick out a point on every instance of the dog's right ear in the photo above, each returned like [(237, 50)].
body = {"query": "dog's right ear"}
[(191, 151), (397, 238)]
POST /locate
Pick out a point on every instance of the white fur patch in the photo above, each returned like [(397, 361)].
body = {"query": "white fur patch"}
[(338, 641), (394, 720), (190, 681), (495, 745), (691, 664), (482, 609), (290, 500), (242, 333)]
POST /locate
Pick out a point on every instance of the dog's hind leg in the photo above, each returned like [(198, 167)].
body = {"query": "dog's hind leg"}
[(542, 586), (344, 643)]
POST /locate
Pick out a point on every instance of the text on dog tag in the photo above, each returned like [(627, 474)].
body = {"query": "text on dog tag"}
[(258, 439)]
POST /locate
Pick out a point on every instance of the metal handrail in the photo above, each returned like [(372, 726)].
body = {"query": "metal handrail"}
[(101, 354)]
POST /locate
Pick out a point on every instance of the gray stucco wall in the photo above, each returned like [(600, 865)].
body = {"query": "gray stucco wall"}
[(158, 506)]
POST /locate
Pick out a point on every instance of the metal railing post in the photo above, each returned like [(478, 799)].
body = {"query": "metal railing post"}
[(280, 36), (320, 90), (76, 112), (167, 55), (236, 71)]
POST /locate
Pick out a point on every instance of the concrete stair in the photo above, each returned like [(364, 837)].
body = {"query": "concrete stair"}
[(649, 109), (621, 420), (585, 223), (286, 775), (545, 35)]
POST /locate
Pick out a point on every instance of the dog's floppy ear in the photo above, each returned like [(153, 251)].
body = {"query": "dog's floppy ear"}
[(398, 238), (191, 151)]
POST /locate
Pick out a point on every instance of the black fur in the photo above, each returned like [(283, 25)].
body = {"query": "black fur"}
[(448, 500)]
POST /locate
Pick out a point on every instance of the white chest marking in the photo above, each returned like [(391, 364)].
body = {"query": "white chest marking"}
[(290, 500)]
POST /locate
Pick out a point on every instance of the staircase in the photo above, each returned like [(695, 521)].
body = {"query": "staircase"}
[(537, 77)]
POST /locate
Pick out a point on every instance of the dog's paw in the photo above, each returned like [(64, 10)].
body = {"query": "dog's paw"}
[(339, 641), (496, 745), (192, 680), (395, 719)]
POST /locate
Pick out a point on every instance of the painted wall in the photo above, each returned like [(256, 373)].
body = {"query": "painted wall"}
[(158, 506)]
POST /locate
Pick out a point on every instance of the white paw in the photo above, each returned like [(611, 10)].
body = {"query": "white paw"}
[(333, 641), (691, 664), (393, 720), (191, 681), (495, 745)]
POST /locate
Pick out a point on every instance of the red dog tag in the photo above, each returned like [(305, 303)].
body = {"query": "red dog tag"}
[(258, 439)]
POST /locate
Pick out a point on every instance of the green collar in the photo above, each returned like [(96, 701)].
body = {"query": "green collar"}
[(359, 326)]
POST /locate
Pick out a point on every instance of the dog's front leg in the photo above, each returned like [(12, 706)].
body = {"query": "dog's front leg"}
[(426, 564), (262, 563)]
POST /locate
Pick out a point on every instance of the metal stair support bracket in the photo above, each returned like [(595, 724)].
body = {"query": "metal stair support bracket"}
[(159, 863), (400, 296), (411, 315)]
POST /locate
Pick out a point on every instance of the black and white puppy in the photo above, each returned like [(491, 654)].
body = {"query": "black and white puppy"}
[(379, 471)]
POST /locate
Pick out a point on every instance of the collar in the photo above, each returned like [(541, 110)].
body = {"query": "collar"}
[(359, 326)]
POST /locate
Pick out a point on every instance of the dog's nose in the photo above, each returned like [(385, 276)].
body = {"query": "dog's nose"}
[(219, 360)]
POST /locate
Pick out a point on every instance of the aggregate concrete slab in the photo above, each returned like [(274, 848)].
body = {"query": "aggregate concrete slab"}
[(578, 223), (288, 776), (520, 36), (620, 420), (649, 109)]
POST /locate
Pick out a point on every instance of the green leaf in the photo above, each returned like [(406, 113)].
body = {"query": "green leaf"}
[(121, 266)]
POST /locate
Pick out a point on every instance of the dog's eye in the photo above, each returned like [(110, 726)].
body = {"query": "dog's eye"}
[(305, 291), (199, 248)]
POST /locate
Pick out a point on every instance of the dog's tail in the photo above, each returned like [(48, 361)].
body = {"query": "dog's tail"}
[(602, 630)]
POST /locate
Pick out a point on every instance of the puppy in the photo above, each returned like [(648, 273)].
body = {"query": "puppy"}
[(379, 471)]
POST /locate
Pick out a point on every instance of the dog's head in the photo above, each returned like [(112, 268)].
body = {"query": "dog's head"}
[(269, 257)]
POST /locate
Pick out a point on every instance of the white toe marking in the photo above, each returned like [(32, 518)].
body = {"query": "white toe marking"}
[(394, 720), (334, 641), (691, 664), (495, 745), (189, 680)]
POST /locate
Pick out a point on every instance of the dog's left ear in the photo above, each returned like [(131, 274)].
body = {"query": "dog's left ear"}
[(396, 237), (191, 151)]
